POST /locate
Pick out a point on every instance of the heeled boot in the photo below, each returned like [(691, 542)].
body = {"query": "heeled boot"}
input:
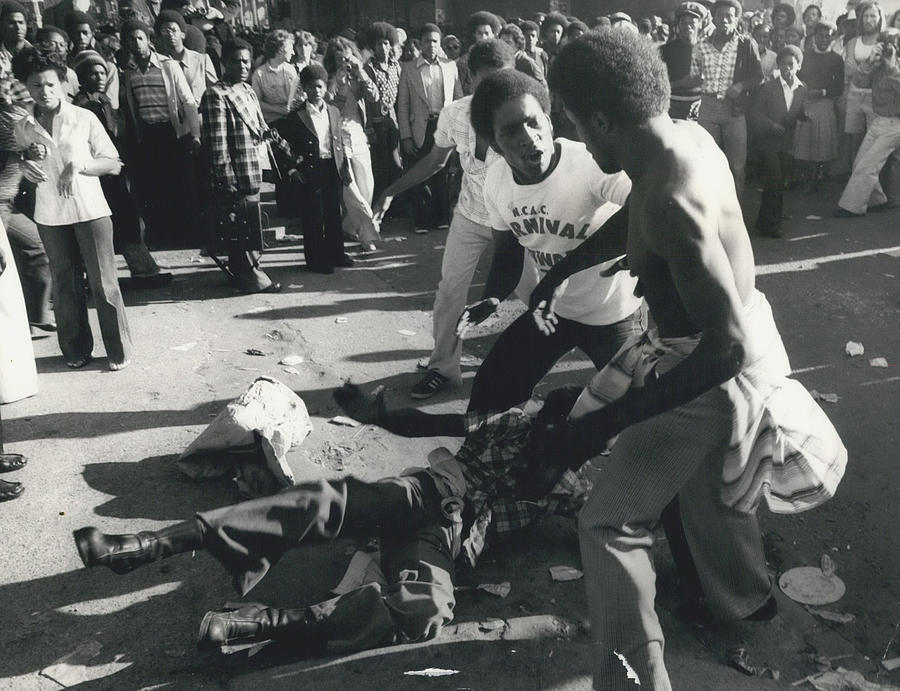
[(124, 553), (254, 623)]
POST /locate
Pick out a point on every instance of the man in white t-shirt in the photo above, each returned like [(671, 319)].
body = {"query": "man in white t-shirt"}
[(549, 199), (470, 231)]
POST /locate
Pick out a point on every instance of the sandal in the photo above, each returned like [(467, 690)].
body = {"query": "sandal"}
[(11, 461), (116, 366)]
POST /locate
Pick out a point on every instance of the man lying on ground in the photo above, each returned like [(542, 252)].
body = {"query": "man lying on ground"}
[(501, 479)]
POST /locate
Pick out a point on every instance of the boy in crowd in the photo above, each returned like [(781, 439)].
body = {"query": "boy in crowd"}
[(775, 110), (314, 134)]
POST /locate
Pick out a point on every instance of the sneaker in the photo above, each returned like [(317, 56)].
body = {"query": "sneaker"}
[(432, 383)]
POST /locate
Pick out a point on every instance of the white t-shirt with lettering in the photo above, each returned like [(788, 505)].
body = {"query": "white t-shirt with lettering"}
[(553, 217)]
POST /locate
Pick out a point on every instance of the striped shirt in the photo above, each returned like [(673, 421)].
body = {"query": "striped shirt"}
[(715, 67), (150, 93), (455, 130)]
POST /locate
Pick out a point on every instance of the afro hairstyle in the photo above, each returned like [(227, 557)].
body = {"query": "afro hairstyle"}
[(618, 73)]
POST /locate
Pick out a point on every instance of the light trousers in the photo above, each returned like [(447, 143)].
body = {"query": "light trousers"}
[(88, 247), (466, 243), (881, 146), (730, 132)]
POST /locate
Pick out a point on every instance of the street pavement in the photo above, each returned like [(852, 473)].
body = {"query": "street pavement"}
[(102, 447)]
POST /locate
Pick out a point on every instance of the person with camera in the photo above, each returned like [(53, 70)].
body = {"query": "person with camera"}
[(881, 145), (235, 138)]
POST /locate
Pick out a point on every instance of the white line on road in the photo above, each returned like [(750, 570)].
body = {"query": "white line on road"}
[(812, 264)]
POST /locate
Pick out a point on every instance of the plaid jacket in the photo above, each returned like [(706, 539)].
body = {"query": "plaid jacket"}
[(488, 457), (232, 130)]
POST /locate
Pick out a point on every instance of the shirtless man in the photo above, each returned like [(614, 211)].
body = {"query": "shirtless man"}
[(689, 249)]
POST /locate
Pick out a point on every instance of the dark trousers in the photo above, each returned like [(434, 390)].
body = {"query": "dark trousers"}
[(248, 538), (523, 355), (320, 209), (431, 199), (384, 145), (31, 262), (86, 247), (773, 166), (166, 185)]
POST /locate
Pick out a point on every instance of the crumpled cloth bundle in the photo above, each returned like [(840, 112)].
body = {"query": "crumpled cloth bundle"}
[(268, 416)]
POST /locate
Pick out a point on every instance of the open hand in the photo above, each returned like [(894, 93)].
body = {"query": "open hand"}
[(475, 314), (380, 207), (368, 409), (66, 181), (543, 303)]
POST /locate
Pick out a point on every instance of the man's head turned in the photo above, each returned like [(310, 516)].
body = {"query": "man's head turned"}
[(609, 80)]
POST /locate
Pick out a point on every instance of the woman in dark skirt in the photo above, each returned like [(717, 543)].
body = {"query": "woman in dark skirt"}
[(816, 136)]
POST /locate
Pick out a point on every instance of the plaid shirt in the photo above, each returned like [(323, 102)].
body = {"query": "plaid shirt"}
[(387, 81), (235, 134), (488, 457), (715, 67)]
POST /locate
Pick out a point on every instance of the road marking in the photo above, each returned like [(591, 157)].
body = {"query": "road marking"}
[(807, 237), (812, 264)]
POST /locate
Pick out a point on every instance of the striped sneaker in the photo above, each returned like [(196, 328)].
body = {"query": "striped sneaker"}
[(432, 383)]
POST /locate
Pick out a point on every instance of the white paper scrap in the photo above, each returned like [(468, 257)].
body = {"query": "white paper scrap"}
[(431, 672), (853, 348)]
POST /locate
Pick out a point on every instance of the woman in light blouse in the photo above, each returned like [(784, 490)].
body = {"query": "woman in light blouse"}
[(275, 81), (65, 149)]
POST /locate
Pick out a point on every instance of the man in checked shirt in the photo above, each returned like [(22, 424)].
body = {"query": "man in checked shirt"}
[(498, 481), (726, 67), (235, 137)]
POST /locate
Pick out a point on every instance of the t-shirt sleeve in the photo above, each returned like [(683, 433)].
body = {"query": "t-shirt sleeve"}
[(443, 134), (495, 218), (611, 188)]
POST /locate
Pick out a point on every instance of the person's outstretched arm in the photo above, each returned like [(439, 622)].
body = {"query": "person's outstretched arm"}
[(371, 409)]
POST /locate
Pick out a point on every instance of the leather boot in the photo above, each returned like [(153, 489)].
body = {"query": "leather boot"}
[(253, 623), (124, 553)]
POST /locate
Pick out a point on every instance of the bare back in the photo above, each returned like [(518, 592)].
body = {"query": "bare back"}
[(690, 173)]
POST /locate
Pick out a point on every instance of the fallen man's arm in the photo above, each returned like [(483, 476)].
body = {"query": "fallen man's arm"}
[(371, 409)]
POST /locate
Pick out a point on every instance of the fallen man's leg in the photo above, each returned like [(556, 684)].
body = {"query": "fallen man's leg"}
[(415, 606), (248, 538)]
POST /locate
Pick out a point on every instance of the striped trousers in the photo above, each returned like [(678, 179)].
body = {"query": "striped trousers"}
[(678, 452)]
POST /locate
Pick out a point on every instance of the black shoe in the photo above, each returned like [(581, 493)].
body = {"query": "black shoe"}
[(11, 461), (320, 268), (253, 623), (163, 278), (124, 553), (121, 553), (843, 213), (10, 490), (345, 261)]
